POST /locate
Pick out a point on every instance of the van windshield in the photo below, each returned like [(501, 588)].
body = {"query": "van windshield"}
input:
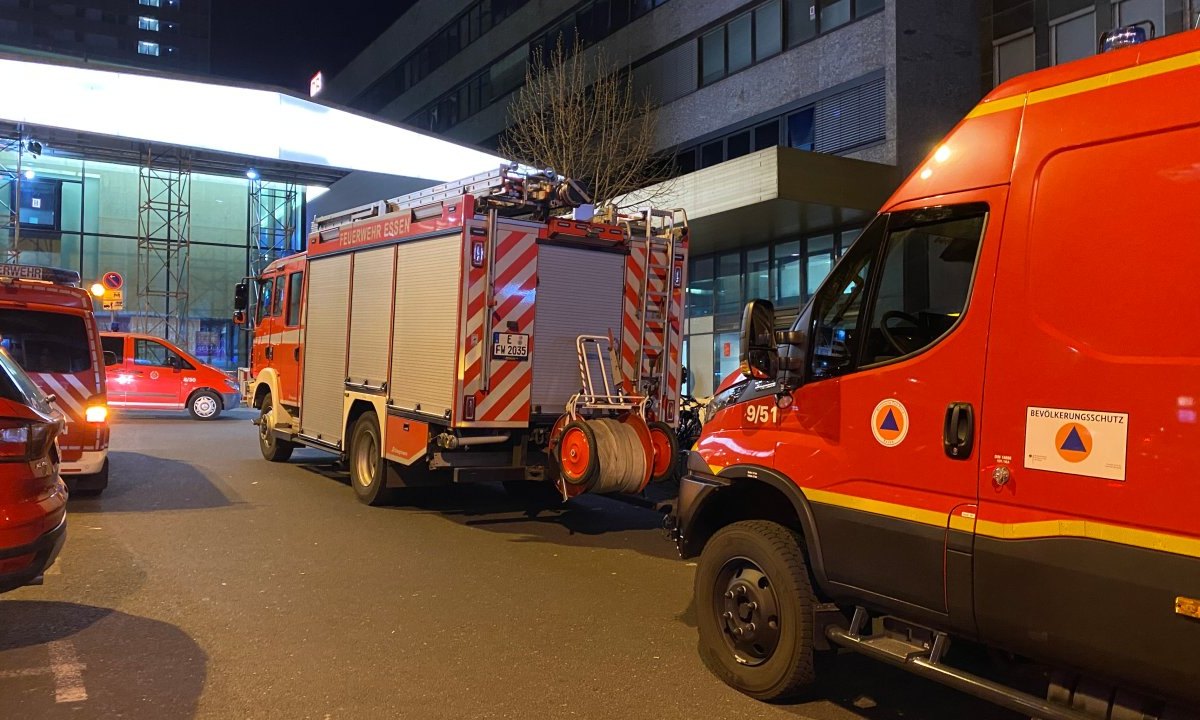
[(46, 342)]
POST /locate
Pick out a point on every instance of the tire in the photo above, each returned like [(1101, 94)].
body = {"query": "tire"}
[(756, 561), (90, 485), (205, 405), (272, 448), (368, 467)]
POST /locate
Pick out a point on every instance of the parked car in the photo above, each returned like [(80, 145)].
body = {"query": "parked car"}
[(149, 373), (33, 497)]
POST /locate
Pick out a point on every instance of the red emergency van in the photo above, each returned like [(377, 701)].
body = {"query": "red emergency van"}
[(984, 429), (149, 373), (47, 325)]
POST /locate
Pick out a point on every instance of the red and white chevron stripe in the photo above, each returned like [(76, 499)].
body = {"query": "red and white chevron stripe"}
[(72, 392), (506, 401)]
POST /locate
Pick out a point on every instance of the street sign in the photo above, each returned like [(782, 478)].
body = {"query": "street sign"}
[(113, 299), (112, 281)]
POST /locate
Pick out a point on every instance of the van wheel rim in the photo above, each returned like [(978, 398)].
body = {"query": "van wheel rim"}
[(747, 611), (366, 460), (205, 406)]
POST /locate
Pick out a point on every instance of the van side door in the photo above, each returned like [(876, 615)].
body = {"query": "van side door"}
[(884, 424)]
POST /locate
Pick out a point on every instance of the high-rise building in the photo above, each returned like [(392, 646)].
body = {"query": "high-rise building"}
[(160, 34)]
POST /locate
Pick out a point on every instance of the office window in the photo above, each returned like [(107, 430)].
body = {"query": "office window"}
[(802, 21), (700, 288), (833, 13), (758, 273), (787, 275), (800, 129), (1013, 56), (150, 3), (741, 43), (737, 145), (147, 48), (819, 262), (729, 283), (1073, 37), (712, 56), (711, 154), (685, 161), (866, 7), (148, 23), (768, 31), (1139, 12), (766, 135)]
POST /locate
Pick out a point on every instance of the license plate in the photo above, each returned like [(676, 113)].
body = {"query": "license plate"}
[(510, 346)]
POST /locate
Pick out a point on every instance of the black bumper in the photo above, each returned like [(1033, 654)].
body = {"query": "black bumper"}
[(45, 551)]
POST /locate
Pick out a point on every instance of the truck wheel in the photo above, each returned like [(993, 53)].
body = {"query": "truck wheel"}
[(754, 603), (368, 468), (205, 405), (272, 448)]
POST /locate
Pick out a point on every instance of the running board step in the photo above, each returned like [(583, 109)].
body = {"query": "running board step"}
[(925, 660)]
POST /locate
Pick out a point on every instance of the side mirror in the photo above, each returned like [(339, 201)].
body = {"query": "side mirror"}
[(239, 317), (174, 363), (759, 357), (241, 299), (110, 358)]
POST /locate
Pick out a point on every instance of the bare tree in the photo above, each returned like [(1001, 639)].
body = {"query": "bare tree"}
[(581, 117)]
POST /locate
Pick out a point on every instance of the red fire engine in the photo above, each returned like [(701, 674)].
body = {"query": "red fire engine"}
[(464, 333), (984, 426), (47, 325)]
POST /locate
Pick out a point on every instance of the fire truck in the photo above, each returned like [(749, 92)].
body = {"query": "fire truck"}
[(48, 326), (983, 431), (469, 333)]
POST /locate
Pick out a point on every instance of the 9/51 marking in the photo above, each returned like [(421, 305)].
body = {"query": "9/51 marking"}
[(762, 414)]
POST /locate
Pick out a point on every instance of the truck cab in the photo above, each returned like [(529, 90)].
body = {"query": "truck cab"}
[(983, 427), (48, 327)]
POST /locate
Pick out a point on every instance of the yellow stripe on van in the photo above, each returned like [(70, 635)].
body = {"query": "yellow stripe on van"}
[(1084, 529), (1097, 82)]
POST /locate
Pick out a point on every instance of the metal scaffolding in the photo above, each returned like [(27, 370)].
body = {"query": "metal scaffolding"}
[(274, 209), (10, 196), (164, 243)]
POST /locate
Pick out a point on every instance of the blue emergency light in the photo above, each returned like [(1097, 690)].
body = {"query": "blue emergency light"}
[(1122, 37)]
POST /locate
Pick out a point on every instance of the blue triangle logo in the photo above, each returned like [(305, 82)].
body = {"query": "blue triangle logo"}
[(889, 422), (1073, 442)]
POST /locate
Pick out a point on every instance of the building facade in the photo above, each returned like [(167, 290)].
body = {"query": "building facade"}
[(1019, 36), (159, 34), (791, 120)]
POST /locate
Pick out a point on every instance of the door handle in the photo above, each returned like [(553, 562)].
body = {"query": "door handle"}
[(270, 352), (958, 435), (296, 353)]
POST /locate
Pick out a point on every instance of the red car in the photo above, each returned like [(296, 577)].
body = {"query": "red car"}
[(33, 497), (149, 373)]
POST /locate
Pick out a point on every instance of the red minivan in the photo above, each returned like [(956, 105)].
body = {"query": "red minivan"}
[(149, 373), (33, 498)]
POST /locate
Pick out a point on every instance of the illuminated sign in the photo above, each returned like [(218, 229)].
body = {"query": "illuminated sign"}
[(316, 85)]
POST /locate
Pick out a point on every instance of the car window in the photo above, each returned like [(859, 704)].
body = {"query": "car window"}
[(116, 346), (155, 354), (277, 302), (265, 288), (924, 280), (295, 289), (46, 342), (838, 305), (16, 385)]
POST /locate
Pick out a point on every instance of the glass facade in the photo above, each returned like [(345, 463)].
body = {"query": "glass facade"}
[(787, 272), (83, 215)]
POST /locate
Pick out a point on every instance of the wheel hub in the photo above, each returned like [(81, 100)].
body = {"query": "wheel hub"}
[(205, 406), (748, 611), (367, 460)]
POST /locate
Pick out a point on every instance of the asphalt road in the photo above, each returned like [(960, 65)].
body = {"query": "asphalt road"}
[(208, 583)]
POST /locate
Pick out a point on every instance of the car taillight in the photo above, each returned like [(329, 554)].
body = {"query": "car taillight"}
[(15, 440), (24, 441)]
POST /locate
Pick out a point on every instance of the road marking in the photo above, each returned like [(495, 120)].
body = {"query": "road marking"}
[(68, 672), (55, 569), (27, 672)]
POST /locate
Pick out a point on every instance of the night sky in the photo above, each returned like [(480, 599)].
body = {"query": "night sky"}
[(285, 43)]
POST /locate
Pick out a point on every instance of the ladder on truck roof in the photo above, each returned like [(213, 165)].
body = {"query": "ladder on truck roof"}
[(507, 189)]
